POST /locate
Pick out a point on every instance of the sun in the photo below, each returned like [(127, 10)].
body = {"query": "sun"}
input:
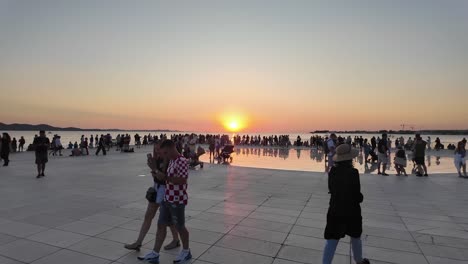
[(233, 123)]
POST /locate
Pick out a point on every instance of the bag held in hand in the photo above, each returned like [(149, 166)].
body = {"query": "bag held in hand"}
[(151, 195)]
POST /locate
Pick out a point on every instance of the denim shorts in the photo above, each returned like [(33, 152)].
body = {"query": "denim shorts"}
[(160, 192), (172, 214)]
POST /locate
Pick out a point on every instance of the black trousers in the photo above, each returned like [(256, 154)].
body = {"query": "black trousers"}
[(5, 156), (101, 148)]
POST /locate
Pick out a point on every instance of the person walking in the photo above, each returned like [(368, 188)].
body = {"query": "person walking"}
[(155, 197), (91, 141), (101, 146), (172, 210), (382, 148), (344, 212), (460, 159), (5, 149), (58, 145), (13, 145), (86, 146), (41, 146), (419, 155), (367, 149)]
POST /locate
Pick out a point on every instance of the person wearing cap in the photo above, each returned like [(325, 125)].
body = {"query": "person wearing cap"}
[(419, 153), (344, 212)]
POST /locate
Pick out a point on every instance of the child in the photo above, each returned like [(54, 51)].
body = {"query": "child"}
[(344, 213), (400, 161)]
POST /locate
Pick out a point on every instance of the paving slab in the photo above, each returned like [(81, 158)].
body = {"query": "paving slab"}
[(234, 214)]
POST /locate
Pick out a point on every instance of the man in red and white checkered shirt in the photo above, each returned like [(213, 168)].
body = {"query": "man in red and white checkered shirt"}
[(177, 193), (172, 210)]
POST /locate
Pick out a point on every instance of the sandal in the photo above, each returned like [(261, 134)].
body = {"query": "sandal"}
[(172, 245), (133, 246)]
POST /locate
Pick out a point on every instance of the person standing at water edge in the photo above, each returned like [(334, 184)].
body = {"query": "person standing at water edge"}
[(86, 146), (5, 149), (172, 210), (419, 153), (331, 145), (21, 144), (382, 148), (211, 143), (460, 159), (344, 212), (14, 144), (373, 143), (91, 142), (41, 146)]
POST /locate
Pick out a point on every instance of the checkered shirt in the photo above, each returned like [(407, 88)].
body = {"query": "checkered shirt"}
[(177, 193)]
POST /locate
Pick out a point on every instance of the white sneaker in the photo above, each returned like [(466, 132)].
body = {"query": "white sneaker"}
[(149, 256), (184, 255)]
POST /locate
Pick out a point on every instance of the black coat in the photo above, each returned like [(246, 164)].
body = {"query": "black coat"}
[(344, 213), (5, 147)]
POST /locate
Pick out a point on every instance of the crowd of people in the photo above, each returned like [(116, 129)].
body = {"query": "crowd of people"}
[(103, 143), (376, 150), (379, 149)]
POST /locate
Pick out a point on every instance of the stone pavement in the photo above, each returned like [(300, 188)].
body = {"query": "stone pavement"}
[(86, 208)]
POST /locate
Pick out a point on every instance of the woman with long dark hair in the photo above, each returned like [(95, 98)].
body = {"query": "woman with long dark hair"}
[(155, 198), (344, 212)]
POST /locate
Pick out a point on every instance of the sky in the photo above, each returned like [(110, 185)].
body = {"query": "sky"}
[(271, 66)]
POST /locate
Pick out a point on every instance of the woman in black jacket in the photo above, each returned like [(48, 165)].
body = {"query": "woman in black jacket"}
[(344, 213), (5, 149)]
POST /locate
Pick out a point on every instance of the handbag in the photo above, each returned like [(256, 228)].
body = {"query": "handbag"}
[(151, 195)]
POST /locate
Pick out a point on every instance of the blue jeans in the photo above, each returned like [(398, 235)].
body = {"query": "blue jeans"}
[(330, 248)]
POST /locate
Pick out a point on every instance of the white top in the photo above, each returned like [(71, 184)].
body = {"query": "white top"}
[(57, 142)]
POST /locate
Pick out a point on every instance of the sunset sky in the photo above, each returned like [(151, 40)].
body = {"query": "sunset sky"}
[(274, 66)]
